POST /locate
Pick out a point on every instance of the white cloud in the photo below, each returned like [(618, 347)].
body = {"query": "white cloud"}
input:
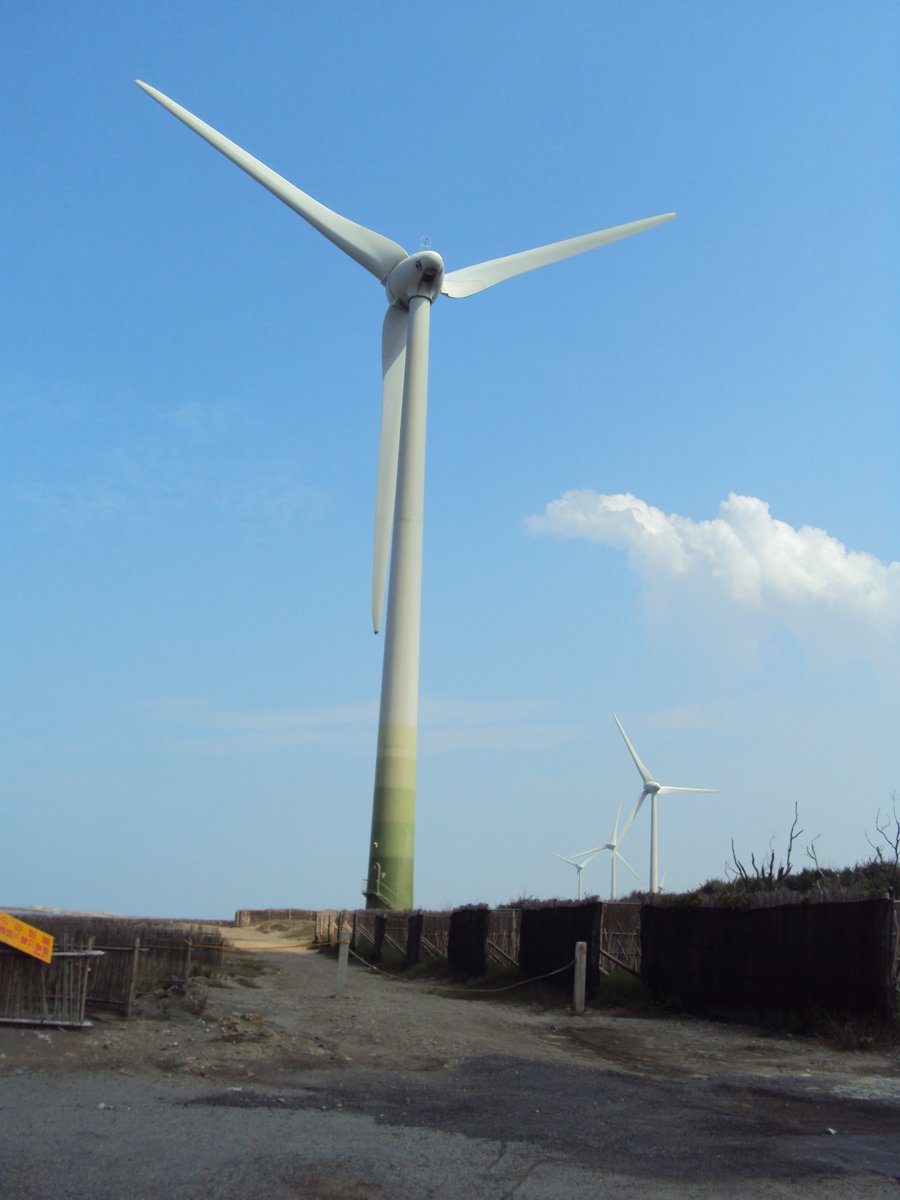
[(444, 725), (489, 725), (217, 731), (744, 556)]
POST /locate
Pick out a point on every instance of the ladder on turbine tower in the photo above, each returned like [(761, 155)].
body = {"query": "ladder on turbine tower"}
[(377, 890)]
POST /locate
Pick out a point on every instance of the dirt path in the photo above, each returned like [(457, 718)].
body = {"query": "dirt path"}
[(403, 1089)]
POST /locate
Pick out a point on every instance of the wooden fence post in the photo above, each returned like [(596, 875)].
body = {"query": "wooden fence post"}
[(414, 938), (132, 982)]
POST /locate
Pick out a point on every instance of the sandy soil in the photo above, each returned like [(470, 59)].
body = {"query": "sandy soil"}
[(275, 1013), (418, 1057)]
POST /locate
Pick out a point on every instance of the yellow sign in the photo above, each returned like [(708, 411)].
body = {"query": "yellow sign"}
[(25, 937)]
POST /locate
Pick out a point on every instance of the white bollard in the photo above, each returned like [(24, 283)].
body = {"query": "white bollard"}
[(580, 976), (343, 960)]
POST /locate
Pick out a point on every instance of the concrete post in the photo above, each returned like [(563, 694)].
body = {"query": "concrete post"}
[(343, 961), (580, 976)]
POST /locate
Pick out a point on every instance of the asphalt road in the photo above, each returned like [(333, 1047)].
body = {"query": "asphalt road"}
[(486, 1127)]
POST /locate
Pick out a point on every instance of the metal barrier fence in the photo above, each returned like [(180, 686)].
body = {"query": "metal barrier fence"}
[(38, 993)]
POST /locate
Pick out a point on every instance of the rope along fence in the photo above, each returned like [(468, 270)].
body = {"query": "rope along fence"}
[(466, 991)]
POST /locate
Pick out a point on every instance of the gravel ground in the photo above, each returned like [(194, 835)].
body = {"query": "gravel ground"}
[(404, 1090)]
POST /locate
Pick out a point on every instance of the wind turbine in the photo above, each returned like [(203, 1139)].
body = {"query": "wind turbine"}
[(612, 846), (653, 790), (412, 282), (579, 862)]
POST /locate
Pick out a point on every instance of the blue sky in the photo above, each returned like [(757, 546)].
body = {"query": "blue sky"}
[(662, 478)]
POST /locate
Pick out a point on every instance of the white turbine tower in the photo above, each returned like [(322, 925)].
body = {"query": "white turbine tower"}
[(653, 790), (413, 283), (579, 862)]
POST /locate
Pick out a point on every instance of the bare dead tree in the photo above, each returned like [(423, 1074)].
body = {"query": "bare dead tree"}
[(764, 875), (812, 855), (739, 870), (888, 830), (764, 872), (792, 837)]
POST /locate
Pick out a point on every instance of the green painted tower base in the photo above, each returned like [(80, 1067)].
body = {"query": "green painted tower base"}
[(389, 883)]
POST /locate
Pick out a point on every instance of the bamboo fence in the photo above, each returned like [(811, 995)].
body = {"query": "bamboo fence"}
[(129, 956)]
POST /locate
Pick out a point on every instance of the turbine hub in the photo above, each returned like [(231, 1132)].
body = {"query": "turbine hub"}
[(421, 274)]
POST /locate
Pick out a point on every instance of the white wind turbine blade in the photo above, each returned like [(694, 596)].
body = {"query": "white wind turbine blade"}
[(393, 366), (579, 860), (645, 774), (634, 812), (371, 250), (614, 839), (587, 855), (663, 791), (469, 280), (626, 863)]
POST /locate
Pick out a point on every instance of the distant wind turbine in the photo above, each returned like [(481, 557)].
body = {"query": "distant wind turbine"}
[(412, 282), (579, 862), (653, 790), (612, 846)]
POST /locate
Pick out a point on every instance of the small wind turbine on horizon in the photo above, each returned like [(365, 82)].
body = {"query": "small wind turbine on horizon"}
[(612, 846), (412, 283), (653, 789), (579, 862)]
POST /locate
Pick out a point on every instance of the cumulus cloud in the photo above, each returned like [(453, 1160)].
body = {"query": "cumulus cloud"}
[(744, 555)]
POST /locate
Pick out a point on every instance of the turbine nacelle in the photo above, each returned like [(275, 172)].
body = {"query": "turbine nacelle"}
[(421, 274)]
